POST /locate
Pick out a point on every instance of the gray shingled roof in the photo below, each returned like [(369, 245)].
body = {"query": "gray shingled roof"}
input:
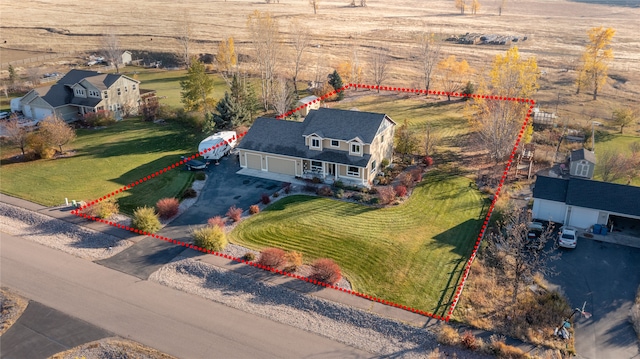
[(583, 154), (56, 95), (75, 76), (550, 188), (87, 102), (343, 124), (285, 138), (587, 193)]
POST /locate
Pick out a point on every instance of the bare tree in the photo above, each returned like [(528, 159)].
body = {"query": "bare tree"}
[(613, 165), (33, 74), (379, 66), (282, 96), (56, 131), (519, 255), (315, 4), (431, 140), (184, 37), (300, 40), (111, 49), (16, 134), (429, 56), (265, 37), (501, 7)]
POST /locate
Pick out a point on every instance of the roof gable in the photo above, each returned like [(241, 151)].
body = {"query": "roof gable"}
[(343, 124), (583, 154), (606, 196), (550, 188)]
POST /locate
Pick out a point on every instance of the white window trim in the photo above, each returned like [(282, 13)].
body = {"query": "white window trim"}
[(319, 147), (338, 146), (351, 152), (353, 174), (373, 166), (316, 168)]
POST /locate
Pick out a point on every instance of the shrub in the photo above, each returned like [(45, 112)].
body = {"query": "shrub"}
[(167, 207), (265, 199), (406, 179), (211, 238), (339, 193), (338, 184), (273, 257), (428, 161), (448, 336), (146, 219), (234, 213), (249, 256), (216, 221), (502, 350), (374, 200), (401, 190), (241, 130), (386, 194), (310, 187), (189, 193), (286, 187), (254, 209), (383, 180), (326, 270), (200, 176), (325, 191), (469, 340), (316, 180), (276, 194), (384, 163), (99, 118), (294, 261), (416, 174), (40, 146), (103, 209)]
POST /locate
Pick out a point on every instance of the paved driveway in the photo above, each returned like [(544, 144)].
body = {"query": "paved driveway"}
[(606, 276), (223, 189)]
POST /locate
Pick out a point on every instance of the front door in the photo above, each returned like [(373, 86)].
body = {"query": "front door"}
[(331, 169)]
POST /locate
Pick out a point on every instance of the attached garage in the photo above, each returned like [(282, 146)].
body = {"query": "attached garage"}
[(41, 113), (281, 165), (546, 210), (254, 162), (580, 217)]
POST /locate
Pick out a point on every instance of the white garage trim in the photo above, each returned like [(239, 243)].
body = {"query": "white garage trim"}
[(581, 217), (546, 210)]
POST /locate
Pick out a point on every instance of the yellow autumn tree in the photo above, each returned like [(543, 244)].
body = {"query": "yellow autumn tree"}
[(226, 57), (475, 6), (461, 5), (498, 121), (453, 75), (594, 64), (350, 72)]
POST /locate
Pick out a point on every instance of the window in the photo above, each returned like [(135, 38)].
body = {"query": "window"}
[(316, 166), (373, 166), (79, 92), (355, 149), (382, 139), (126, 89), (119, 92), (133, 87), (105, 94), (353, 171), (315, 142), (335, 143)]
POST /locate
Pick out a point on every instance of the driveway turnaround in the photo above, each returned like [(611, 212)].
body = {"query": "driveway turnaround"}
[(606, 277), (41, 332), (177, 323), (224, 188)]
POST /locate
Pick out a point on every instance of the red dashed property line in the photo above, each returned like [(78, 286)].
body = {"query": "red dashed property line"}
[(460, 286)]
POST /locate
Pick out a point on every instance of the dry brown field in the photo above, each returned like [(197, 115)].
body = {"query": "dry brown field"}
[(556, 31)]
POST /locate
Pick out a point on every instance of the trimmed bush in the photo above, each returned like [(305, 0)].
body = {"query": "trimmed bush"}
[(406, 179), (216, 221), (286, 187), (338, 184), (234, 213), (386, 194), (103, 209), (99, 118), (254, 209), (448, 336), (211, 238), (146, 219), (249, 256), (326, 270), (339, 193), (416, 174), (276, 194), (200, 176), (294, 261), (273, 257), (265, 199), (189, 193), (401, 190), (325, 191), (428, 161), (384, 163), (167, 207)]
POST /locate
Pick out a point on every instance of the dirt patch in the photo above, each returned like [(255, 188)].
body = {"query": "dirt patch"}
[(12, 308), (112, 348)]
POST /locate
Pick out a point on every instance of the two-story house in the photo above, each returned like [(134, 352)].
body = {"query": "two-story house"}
[(80, 92), (329, 144)]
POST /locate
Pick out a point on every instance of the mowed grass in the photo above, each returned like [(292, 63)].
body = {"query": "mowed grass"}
[(618, 144), (106, 160), (412, 254)]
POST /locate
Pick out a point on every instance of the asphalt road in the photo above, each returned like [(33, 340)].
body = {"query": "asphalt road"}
[(174, 322), (606, 277)]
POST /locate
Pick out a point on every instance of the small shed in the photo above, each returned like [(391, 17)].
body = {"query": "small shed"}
[(310, 103), (582, 163), (126, 58)]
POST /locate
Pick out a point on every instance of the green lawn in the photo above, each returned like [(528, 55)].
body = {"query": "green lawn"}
[(412, 254), (617, 143), (106, 160)]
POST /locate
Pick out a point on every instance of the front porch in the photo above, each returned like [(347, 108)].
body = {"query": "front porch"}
[(329, 173)]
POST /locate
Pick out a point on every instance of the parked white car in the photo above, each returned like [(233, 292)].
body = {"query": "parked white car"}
[(567, 238)]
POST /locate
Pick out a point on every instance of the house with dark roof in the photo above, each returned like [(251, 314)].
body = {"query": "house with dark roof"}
[(581, 203), (80, 92), (582, 163), (329, 144)]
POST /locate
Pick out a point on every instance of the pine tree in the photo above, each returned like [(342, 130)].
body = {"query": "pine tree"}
[(336, 82), (196, 88), (235, 108)]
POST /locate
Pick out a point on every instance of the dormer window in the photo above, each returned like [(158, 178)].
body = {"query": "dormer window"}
[(315, 143), (335, 143), (356, 149)]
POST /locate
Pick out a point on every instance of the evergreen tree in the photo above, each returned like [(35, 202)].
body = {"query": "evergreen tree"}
[(336, 82), (13, 76), (196, 88), (236, 107)]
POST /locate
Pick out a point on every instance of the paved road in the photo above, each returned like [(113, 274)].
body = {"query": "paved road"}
[(41, 332), (606, 276), (174, 322), (223, 189)]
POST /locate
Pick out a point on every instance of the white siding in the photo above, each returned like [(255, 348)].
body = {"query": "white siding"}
[(546, 210), (583, 217), (41, 113)]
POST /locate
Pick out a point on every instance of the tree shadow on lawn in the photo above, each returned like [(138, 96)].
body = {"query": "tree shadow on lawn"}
[(158, 144)]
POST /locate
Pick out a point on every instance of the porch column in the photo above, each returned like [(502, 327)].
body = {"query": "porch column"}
[(336, 169)]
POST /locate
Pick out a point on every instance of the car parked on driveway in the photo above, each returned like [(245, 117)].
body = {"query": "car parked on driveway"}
[(567, 238), (196, 165)]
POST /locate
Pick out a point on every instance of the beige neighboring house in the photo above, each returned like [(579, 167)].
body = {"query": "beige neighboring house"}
[(329, 144), (308, 104), (126, 58), (80, 92)]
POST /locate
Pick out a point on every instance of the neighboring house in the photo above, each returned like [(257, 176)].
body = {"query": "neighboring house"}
[(329, 144), (581, 203), (80, 92), (126, 58), (308, 104), (582, 163)]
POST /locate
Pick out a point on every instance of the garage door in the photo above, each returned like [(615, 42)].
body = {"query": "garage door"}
[(254, 161), (549, 210), (281, 165), (583, 217), (41, 113)]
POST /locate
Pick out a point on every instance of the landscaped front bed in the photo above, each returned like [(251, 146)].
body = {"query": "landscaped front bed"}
[(412, 254)]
